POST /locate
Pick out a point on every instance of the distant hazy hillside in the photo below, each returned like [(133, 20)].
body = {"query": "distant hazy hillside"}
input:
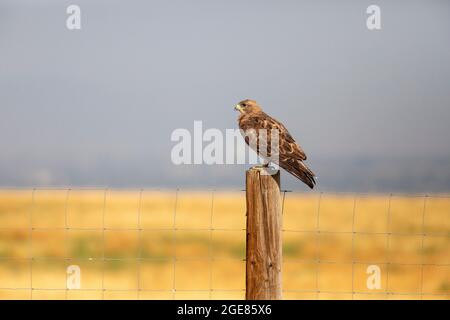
[(359, 175)]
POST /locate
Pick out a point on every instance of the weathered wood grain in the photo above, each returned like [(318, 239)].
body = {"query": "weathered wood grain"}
[(264, 249)]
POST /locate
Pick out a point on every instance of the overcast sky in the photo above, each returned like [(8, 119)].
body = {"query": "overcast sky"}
[(97, 106)]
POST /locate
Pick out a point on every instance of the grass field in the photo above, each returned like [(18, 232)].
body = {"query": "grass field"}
[(191, 245)]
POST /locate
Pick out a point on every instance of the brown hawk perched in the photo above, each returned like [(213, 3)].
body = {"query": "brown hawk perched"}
[(291, 155)]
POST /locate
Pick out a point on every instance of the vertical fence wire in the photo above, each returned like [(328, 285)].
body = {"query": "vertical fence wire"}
[(353, 247), (282, 204), (66, 238), (31, 242), (282, 215), (318, 247), (174, 289), (139, 288), (103, 243), (422, 245), (210, 249), (388, 244)]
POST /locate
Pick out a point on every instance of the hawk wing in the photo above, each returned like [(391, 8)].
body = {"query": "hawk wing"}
[(291, 155)]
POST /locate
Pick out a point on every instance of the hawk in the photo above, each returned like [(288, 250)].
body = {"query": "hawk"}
[(291, 155)]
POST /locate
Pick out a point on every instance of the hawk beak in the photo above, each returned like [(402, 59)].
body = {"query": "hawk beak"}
[(238, 108)]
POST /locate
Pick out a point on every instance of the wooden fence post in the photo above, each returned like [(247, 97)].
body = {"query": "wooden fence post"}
[(264, 250)]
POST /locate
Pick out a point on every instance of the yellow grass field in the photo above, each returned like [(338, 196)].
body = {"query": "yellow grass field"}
[(191, 245)]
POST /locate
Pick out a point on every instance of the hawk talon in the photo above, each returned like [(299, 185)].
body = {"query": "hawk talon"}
[(266, 168), (259, 167)]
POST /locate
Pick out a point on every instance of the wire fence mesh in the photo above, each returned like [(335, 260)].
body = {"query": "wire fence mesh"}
[(184, 244)]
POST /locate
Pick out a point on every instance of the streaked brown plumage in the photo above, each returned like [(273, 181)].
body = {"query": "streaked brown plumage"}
[(291, 155)]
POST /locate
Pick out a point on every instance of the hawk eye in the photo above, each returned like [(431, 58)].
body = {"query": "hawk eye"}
[(244, 105)]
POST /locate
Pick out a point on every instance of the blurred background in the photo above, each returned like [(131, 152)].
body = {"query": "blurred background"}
[(94, 109), (97, 106)]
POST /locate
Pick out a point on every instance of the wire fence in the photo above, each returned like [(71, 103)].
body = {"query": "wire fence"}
[(414, 257)]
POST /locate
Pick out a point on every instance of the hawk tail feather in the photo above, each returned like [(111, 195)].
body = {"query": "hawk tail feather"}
[(303, 173)]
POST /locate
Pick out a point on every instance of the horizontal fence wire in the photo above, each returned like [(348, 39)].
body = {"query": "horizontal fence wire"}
[(210, 258)]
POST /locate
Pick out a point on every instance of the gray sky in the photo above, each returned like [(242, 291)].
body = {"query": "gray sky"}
[(97, 106)]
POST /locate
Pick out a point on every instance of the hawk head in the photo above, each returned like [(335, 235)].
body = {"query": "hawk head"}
[(248, 106)]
